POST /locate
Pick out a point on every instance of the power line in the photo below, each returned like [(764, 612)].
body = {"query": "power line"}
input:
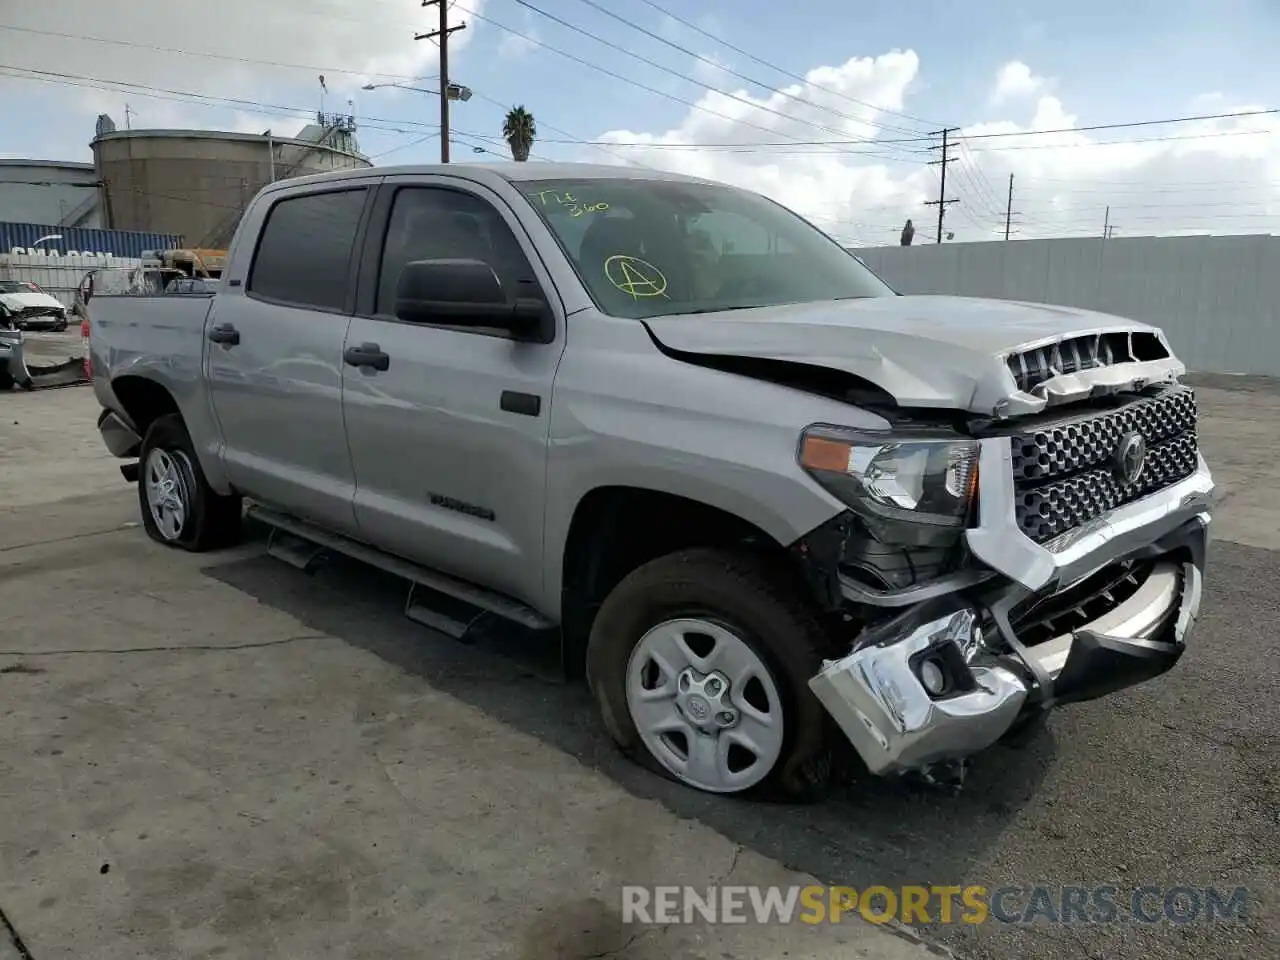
[(688, 79), (1133, 123), (636, 83), (404, 146), (183, 96), (729, 70), (204, 55), (786, 73), (1004, 135), (1130, 142), (256, 107), (984, 186)]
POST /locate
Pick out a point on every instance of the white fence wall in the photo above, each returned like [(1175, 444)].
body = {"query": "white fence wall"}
[(59, 276), (1217, 298)]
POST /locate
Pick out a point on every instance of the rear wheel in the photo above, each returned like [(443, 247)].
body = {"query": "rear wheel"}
[(700, 664), (179, 508)]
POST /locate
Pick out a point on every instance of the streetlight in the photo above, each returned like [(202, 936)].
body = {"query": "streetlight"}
[(452, 91), (456, 90), (398, 86)]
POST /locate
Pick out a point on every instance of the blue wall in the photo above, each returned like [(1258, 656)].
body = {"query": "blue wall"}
[(118, 243)]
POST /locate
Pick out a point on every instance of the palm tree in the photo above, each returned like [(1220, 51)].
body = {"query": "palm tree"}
[(518, 130)]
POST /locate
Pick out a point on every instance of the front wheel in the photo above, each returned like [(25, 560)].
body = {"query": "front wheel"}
[(179, 508), (700, 664)]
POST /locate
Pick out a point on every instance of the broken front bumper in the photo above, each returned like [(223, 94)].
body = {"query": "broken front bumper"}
[(925, 687)]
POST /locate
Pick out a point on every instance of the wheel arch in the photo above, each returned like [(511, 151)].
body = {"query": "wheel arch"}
[(142, 399), (616, 528)]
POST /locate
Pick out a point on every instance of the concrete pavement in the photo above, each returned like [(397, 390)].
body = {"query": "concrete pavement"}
[(188, 772), (236, 795)]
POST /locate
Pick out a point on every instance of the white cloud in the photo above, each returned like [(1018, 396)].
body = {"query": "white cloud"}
[(1016, 81), (271, 52), (714, 73), (512, 47), (1219, 176)]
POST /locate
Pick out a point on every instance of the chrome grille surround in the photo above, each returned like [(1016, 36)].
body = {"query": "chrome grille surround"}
[(1063, 475)]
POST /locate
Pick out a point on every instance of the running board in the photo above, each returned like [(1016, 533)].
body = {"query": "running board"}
[(451, 587), (294, 550), (441, 612)]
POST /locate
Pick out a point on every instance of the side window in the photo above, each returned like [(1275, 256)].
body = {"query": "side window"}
[(304, 255), (434, 223)]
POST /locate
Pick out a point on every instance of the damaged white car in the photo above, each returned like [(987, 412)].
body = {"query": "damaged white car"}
[(28, 307)]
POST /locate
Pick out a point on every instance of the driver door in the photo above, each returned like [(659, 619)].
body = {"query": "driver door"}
[(449, 439)]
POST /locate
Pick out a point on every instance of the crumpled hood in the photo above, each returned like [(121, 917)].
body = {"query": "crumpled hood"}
[(24, 301), (925, 351)]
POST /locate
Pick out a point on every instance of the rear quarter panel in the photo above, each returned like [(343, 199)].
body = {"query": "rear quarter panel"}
[(158, 338)]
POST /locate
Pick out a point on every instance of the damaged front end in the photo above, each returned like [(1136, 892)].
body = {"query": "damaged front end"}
[(1076, 574)]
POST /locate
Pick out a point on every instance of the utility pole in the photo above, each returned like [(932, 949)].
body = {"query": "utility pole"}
[(942, 201), (1008, 211), (1106, 224), (443, 34)]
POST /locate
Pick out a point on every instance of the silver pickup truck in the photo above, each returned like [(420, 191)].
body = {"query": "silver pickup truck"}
[(772, 507)]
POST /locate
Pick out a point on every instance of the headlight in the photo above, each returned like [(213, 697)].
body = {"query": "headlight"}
[(894, 478)]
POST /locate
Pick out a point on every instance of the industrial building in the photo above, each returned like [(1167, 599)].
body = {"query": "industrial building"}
[(193, 184), (50, 192), (197, 183)]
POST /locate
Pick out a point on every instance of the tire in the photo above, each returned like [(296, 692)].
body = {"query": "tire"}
[(741, 597), (206, 520)]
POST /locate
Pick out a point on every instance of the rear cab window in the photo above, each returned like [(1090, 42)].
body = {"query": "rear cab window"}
[(305, 250)]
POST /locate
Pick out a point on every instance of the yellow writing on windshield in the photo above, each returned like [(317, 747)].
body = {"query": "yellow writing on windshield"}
[(636, 277), (575, 207)]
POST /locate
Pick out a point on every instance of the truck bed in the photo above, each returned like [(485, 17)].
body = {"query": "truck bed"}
[(162, 333)]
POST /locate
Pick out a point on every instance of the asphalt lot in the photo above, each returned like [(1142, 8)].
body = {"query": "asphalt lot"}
[(344, 783)]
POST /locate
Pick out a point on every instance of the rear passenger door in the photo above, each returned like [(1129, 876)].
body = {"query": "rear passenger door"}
[(275, 356), (449, 441)]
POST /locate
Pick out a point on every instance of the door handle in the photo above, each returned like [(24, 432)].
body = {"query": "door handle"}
[(225, 333), (366, 355)]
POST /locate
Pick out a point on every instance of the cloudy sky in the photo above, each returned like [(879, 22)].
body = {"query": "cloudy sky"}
[(828, 106)]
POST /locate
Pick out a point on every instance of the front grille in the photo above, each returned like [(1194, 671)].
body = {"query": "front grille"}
[(1064, 474), (1033, 367)]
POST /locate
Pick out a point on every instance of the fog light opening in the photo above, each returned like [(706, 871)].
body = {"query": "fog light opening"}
[(933, 676)]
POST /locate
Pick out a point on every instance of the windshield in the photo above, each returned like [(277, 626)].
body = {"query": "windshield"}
[(648, 248), (13, 286)]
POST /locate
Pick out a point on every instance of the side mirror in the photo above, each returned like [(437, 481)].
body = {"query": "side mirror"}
[(465, 293)]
